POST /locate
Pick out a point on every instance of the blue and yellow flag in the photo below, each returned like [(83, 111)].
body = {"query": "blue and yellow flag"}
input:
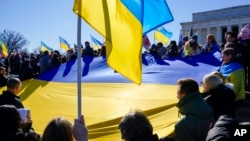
[(3, 49), (44, 47), (162, 35), (156, 13), (64, 44), (96, 44), (122, 22)]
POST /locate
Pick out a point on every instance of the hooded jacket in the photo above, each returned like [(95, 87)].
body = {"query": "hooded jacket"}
[(196, 121)]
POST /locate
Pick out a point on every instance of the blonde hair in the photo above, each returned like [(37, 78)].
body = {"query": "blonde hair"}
[(211, 36), (211, 81)]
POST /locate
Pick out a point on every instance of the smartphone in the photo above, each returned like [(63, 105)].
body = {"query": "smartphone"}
[(24, 114)]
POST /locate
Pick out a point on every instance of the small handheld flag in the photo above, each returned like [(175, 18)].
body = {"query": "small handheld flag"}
[(64, 44)]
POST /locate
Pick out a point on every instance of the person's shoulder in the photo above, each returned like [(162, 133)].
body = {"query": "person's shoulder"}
[(27, 136)]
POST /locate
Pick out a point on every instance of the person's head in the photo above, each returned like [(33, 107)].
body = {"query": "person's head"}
[(211, 81), (211, 38), (87, 44), (46, 53), (58, 129), (231, 37), (2, 71), (10, 120), (160, 44), (228, 54), (14, 85), (195, 38), (185, 39), (186, 86), (230, 45), (135, 125), (173, 43)]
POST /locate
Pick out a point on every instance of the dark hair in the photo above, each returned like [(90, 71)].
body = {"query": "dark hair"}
[(10, 120), (173, 42), (135, 125), (46, 52), (13, 82), (58, 129), (188, 85), (160, 44), (232, 35), (230, 45), (229, 51)]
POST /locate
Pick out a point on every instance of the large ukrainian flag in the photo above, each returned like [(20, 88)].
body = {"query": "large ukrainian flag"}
[(3, 49), (107, 96), (121, 22)]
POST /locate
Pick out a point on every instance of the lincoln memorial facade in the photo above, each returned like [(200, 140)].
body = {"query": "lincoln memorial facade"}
[(217, 22)]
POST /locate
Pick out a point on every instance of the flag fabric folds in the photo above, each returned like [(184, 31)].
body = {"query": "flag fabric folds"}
[(3, 49), (146, 42), (44, 47), (162, 35), (96, 44), (121, 23), (156, 13), (64, 44)]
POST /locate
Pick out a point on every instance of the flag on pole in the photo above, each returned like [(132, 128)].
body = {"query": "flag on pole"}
[(44, 47), (3, 49), (146, 42), (162, 35), (64, 44), (180, 42), (123, 23), (191, 32), (96, 44)]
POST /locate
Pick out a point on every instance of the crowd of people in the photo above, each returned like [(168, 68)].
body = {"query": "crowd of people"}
[(203, 114), (189, 46), (26, 66)]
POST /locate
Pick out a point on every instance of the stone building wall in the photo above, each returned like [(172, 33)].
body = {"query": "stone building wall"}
[(217, 22)]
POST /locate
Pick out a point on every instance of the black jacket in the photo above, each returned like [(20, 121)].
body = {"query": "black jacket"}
[(19, 136), (222, 129), (221, 100), (3, 81), (10, 99)]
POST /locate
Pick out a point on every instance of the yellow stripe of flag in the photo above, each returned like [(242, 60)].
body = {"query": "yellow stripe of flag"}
[(3, 49)]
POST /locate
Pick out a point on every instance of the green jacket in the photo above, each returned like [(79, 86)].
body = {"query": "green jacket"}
[(196, 121)]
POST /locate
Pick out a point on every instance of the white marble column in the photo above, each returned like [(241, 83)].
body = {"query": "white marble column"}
[(199, 35), (218, 34), (209, 30)]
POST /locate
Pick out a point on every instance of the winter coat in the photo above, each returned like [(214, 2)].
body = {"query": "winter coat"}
[(222, 128), (196, 121), (221, 100), (11, 99)]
